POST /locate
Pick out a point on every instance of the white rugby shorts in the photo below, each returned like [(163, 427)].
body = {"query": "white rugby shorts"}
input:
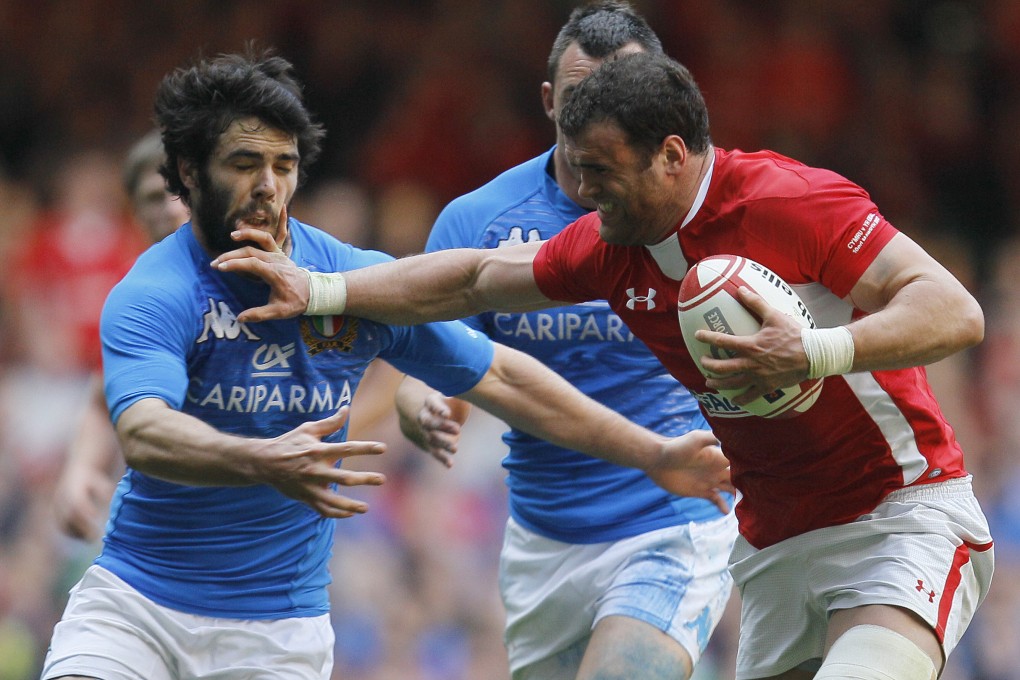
[(554, 593), (924, 548), (109, 630)]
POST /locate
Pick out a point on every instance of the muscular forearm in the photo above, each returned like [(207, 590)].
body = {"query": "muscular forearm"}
[(449, 284), (175, 447), (416, 289)]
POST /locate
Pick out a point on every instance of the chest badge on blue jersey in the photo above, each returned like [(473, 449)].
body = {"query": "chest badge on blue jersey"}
[(321, 333)]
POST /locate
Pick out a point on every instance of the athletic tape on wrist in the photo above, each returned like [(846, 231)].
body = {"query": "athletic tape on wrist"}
[(830, 351), (327, 293)]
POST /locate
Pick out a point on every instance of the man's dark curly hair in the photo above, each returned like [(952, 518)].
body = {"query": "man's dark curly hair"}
[(196, 104), (649, 96)]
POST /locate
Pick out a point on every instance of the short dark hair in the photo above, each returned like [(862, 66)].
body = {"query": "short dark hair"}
[(196, 104), (601, 28), (648, 96)]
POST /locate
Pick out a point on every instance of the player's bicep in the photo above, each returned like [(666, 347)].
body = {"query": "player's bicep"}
[(900, 263), (506, 280)]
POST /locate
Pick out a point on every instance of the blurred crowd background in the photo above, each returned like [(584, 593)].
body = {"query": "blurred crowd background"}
[(916, 100)]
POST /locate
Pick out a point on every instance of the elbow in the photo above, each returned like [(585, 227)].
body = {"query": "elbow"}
[(970, 324), (130, 437), (974, 324)]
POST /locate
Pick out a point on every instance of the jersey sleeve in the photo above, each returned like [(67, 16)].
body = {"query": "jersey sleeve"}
[(144, 334), (844, 230), (449, 356), (566, 267), (863, 238)]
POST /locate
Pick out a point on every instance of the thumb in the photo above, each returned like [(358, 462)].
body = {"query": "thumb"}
[(330, 424)]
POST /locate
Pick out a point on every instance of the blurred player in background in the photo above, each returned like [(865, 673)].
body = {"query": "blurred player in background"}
[(93, 464), (214, 561), (603, 573), (863, 552)]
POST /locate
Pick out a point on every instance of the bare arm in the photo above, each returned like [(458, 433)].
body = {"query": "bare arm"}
[(164, 443), (88, 478), (522, 391), (920, 314), (449, 284)]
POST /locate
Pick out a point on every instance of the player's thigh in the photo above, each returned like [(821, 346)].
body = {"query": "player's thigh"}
[(621, 648), (906, 623)]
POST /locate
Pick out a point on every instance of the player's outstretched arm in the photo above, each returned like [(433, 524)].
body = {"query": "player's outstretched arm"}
[(526, 394), (429, 419), (448, 284), (164, 443)]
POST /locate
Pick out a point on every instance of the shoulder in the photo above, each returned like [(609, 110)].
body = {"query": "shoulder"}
[(767, 175), (478, 208), (507, 188), (163, 271), (318, 250), (161, 290)]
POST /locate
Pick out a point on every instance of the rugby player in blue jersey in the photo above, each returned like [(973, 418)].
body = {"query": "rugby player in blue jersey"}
[(603, 574), (214, 561)]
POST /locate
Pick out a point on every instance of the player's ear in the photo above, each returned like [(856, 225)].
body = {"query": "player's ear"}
[(548, 102), (673, 153), (188, 173)]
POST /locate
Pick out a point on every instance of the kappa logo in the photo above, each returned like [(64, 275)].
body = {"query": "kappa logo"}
[(647, 300), (223, 324), (272, 356), (516, 237)]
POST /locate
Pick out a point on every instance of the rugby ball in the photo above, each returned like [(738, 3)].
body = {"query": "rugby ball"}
[(709, 300)]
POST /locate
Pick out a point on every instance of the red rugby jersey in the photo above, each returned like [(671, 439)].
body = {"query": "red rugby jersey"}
[(868, 433)]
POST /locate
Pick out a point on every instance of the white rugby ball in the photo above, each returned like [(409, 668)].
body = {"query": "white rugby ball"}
[(709, 300)]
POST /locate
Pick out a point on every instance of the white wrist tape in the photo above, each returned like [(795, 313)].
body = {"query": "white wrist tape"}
[(830, 351), (327, 293)]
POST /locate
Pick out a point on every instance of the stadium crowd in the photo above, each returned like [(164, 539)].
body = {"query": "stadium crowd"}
[(916, 100)]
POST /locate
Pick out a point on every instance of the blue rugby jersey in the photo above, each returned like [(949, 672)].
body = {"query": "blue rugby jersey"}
[(562, 494), (170, 331)]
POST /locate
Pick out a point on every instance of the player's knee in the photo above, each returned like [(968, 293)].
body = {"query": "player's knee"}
[(870, 652)]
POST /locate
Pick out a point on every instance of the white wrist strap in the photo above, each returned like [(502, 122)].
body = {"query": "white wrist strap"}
[(327, 293), (830, 351)]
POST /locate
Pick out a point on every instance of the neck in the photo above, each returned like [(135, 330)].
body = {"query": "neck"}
[(699, 168), (690, 182)]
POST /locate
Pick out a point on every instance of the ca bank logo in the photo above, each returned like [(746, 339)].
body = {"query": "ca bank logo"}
[(648, 300), (272, 361), (223, 323)]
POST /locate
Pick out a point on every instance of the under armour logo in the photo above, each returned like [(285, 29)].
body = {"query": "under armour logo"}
[(647, 300), (921, 589)]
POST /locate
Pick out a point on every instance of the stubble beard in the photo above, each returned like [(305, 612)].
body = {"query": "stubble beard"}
[(215, 221)]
